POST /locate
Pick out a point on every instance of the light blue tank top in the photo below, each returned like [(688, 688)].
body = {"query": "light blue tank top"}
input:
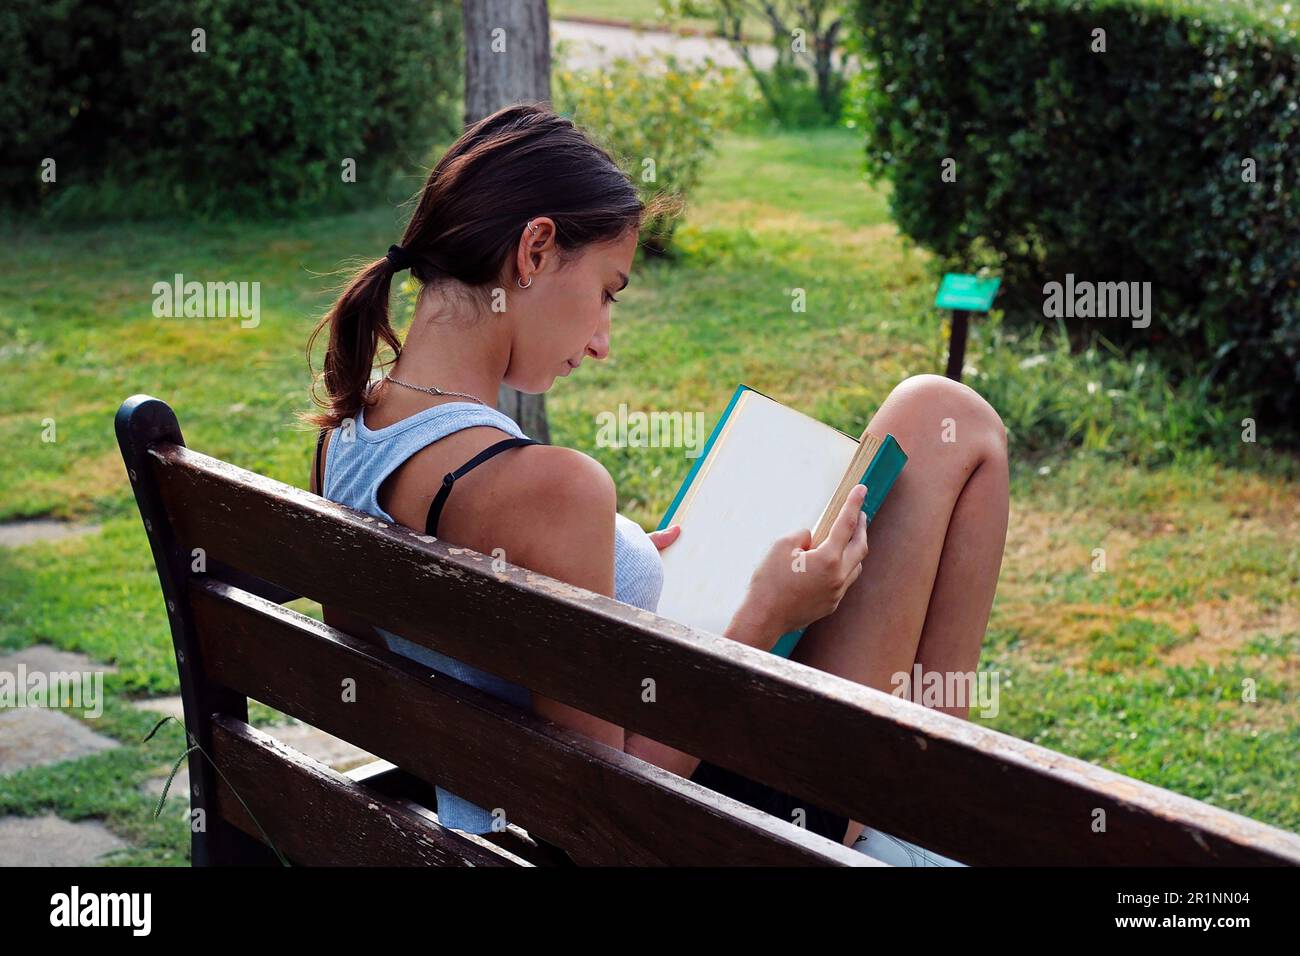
[(354, 471)]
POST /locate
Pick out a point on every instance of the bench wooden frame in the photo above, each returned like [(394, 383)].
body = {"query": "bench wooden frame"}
[(974, 794)]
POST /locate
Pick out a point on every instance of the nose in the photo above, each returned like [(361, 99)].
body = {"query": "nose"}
[(598, 347)]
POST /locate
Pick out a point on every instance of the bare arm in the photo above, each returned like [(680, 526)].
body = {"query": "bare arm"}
[(563, 527)]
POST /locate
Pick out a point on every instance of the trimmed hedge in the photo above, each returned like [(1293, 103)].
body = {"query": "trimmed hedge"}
[(1123, 165), (261, 122)]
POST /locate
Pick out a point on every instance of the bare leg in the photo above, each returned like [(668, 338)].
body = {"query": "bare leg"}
[(927, 584)]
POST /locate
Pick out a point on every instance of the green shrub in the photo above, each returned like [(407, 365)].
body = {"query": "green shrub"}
[(658, 117), (792, 98), (138, 121), (1095, 399), (1123, 165)]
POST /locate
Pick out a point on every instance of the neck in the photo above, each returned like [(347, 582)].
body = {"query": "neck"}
[(456, 350)]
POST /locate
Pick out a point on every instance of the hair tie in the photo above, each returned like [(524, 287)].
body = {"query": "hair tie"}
[(399, 258)]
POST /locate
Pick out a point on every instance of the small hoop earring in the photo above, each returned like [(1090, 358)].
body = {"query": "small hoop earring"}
[(523, 285)]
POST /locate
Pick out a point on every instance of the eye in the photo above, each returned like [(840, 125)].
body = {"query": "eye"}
[(609, 298)]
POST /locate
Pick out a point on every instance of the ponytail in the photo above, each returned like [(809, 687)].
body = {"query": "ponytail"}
[(357, 323)]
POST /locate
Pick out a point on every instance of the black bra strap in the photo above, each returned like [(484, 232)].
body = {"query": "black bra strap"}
[(320, 445), (435, 509)]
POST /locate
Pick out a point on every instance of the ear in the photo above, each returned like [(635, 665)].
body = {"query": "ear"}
[(536, 249)]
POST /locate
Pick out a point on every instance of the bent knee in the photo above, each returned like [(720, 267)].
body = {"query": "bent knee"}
[(934, 401)]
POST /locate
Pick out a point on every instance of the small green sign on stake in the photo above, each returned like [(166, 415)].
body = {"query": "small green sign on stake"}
[(969, 293), (963, 294)]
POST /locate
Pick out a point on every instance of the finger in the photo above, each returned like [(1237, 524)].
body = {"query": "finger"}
[(846, 522), (800, 540), (667, 536), (856, 550), (848, 583)]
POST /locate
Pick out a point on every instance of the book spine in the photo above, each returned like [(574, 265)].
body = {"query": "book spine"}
[(884, 469)]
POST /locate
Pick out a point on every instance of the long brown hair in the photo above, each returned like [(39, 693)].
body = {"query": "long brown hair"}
[(520, 162)]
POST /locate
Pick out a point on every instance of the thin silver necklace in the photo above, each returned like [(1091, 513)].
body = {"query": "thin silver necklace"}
[(434, 390)]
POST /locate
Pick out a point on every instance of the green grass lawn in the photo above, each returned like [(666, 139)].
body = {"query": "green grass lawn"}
[(1139, 668)]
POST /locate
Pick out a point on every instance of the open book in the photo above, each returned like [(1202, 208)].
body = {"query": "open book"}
[(765, 471)]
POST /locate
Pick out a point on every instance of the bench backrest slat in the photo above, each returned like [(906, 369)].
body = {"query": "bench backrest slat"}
[(364, 828)]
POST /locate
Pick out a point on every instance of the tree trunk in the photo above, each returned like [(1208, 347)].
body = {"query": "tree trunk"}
[(508, 60)]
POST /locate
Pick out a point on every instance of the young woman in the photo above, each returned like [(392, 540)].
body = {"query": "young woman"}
[(522, 237)]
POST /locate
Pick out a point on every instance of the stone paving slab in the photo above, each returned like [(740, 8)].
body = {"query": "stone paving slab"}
[(316, 744), (48, 659), (163, 705), (51, 841), (319, 745), (17, 534), (326, 748), (36, 737)]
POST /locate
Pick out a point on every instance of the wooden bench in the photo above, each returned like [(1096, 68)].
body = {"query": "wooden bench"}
[(970, 793)]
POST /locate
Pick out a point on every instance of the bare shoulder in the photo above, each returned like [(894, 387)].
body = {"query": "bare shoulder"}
[(553, 487), (558, 475), (557, 508)]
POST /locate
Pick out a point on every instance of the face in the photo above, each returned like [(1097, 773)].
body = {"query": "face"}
[(562, 319)]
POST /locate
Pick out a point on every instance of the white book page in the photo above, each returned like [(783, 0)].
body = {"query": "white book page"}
[(770, 473)]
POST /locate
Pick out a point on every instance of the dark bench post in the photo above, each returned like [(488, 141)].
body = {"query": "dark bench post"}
[(141, 422)]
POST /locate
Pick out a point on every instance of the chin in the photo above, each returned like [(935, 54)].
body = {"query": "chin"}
[(533, 388)]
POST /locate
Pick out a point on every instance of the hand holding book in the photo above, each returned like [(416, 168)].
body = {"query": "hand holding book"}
[(796, 583)]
